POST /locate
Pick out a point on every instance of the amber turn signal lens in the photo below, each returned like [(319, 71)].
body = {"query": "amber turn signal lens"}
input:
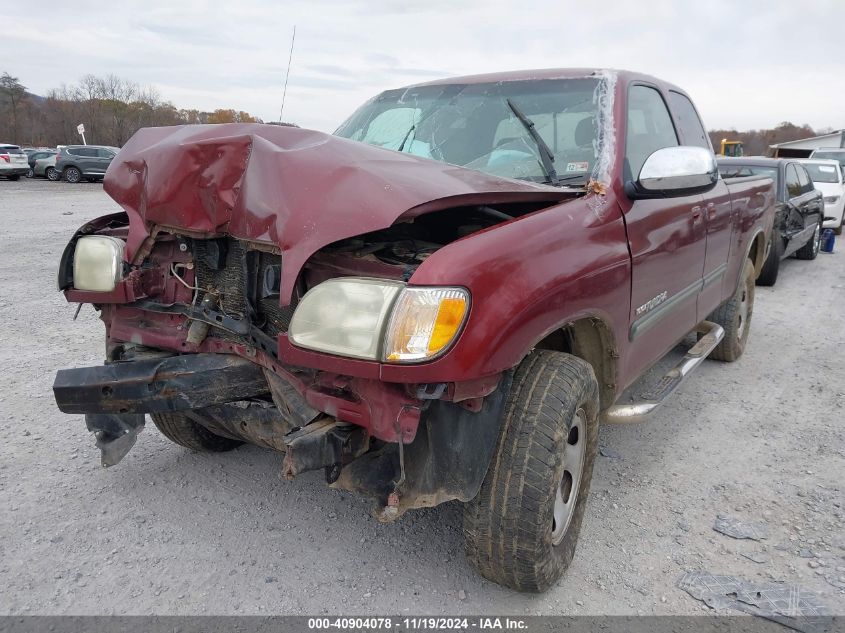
[(424, 323)]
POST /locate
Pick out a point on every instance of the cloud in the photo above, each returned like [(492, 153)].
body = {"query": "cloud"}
[(747, 65)]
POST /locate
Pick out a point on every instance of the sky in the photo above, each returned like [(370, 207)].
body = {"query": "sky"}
[(746, 64)]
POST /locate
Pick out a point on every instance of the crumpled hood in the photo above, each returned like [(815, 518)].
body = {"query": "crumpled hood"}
[(295, 188)]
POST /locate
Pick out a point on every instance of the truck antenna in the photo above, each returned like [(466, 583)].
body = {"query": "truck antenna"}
[(287, 74)]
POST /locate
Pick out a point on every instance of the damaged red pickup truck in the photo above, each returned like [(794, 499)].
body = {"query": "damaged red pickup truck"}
[(441, 301)]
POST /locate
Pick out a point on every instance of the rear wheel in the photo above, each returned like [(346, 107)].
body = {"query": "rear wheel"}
[(811, 248), (735, 317), (72, 174), (52, 174), (522, 527), (179, 428), (769, 273)]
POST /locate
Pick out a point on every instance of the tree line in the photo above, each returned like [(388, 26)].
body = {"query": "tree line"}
[(111, 108), (757, 142)]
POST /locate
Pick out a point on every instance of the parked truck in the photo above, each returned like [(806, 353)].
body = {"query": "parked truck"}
[(441, 301)]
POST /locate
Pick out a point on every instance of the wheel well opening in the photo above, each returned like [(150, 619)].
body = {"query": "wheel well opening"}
[(591, 340)]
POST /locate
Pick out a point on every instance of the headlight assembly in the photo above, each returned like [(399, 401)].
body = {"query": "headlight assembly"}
[(377, 319), (97, 263)]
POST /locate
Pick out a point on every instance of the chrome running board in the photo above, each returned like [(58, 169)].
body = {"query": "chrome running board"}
[(640, 410)]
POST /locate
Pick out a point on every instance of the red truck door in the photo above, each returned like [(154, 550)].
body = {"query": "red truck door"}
[(716, 206), (667, 241)]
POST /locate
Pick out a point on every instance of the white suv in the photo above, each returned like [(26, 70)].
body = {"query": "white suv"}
[(13, 161), (828, 178)]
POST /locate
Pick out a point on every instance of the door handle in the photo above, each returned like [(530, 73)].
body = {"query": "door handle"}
[(711, 210), (696, 214)]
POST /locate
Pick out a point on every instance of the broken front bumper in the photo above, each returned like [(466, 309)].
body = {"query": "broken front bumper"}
[(115, 397), (157, 385)]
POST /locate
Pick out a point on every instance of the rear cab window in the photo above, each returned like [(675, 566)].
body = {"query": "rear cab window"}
[(689, 123)]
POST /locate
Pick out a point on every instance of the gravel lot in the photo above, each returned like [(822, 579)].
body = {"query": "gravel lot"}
[(171, 532)]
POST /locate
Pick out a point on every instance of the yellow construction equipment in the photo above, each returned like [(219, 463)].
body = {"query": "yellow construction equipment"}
[(730, 148)]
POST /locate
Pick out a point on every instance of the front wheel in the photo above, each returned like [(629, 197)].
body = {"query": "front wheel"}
[(72, 175), (734, 315), (30, 173), (521, 529), (180, 429), (811, 248)]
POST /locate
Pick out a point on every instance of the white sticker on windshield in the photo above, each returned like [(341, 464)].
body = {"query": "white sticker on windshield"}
[(585, 166), (827, 169)]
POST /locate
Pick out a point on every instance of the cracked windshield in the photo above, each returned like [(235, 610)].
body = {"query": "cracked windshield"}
[(542, 131)]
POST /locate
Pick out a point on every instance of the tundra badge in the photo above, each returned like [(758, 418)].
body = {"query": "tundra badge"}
[(652, 303)]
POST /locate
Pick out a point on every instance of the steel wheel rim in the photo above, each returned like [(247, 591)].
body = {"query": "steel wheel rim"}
[(566, 494), (817, 238)]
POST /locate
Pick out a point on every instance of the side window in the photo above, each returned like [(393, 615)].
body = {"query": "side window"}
[(649, 128), (692, 131), (104, 153), (793, 185), (804, 179)]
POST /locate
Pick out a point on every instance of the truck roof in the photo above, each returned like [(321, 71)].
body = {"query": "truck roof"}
[(547, 73)]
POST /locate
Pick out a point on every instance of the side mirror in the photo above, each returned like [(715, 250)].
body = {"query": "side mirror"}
[(675, 171)]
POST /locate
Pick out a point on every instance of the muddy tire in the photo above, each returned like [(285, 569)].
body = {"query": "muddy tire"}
[(180, 429), (521, 529), (769, 273), (735, 316), (811, 249)]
